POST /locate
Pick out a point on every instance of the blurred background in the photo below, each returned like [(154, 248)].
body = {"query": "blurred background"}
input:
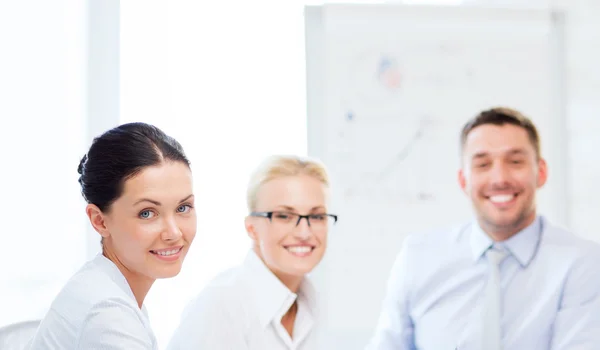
[(377, 89)]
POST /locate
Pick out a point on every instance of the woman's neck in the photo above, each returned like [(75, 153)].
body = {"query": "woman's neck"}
[(290, 281), (289, 319), (293, 284), (139, 284)]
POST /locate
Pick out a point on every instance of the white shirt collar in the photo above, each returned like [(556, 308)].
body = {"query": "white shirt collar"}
[(523, 245), (273, 298)]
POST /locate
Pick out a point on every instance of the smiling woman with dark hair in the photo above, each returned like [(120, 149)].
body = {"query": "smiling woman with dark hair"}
[(138, 185)]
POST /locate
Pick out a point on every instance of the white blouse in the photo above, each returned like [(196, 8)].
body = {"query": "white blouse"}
[(96, 309), (242, 308)]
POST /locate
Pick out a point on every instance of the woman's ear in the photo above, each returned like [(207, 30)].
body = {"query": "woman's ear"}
[(249, 224), (97, 219)]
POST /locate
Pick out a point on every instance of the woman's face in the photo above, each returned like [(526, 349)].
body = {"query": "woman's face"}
[(150, 228), (288, 247)]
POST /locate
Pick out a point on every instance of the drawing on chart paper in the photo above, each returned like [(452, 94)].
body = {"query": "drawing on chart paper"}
[(393, 167), (388, 72), (382, 142), (373, 78)]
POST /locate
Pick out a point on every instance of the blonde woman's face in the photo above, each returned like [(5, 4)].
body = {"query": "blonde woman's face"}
[(289, 244)]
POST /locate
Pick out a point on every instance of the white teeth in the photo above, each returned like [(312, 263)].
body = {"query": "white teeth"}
[(299, 249), (502, 198), (168, 252)]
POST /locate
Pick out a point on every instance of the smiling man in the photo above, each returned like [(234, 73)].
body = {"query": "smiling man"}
[(509, 279)]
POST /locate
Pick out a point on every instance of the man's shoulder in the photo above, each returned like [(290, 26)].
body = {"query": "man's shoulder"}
[(572, 250), (434, 244), (560, 237)]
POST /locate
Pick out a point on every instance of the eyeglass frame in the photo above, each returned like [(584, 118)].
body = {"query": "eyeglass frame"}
[(269, 215)]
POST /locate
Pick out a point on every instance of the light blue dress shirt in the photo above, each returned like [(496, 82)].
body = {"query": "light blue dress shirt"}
[(97, 310), (550, 287)]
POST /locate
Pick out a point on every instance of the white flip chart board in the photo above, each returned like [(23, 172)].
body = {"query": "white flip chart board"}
[(389, 87)]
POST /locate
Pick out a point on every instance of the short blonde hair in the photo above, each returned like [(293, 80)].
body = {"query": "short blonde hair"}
[(280, 166)]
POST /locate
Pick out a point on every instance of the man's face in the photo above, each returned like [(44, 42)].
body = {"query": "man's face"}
[(501, 173)]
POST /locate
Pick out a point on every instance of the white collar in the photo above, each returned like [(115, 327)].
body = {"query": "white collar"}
[(273, 298)]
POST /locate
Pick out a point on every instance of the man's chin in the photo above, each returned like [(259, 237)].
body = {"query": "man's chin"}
[(505, 223)]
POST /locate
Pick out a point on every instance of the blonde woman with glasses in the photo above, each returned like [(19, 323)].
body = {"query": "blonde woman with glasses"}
[(268, 302)]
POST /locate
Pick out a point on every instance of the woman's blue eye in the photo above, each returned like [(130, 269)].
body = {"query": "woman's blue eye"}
[(183, 208), (146, 214)]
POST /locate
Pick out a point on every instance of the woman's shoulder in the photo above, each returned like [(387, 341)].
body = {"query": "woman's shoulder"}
[(224, 288), (90, 288), (115, 321), (216, 308), (89, 298), (221, 296)]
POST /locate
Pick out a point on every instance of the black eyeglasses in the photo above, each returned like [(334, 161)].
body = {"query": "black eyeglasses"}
[(285, 218)]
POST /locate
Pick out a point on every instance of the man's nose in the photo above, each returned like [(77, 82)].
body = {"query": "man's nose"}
[(499, 174)]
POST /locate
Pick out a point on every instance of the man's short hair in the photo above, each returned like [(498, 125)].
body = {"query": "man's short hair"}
[(501, 116)]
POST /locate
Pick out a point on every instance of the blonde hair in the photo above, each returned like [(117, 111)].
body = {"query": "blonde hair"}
[(280, 166)]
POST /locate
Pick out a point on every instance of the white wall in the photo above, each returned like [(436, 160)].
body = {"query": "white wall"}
[(102, 81), (583, 96), (42, 115), (59, 87)]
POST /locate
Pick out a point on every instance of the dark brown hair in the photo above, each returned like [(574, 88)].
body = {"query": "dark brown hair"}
[(119, 154), (501, 116)]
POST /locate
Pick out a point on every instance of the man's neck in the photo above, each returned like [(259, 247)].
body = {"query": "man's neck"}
[(499, 234)]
